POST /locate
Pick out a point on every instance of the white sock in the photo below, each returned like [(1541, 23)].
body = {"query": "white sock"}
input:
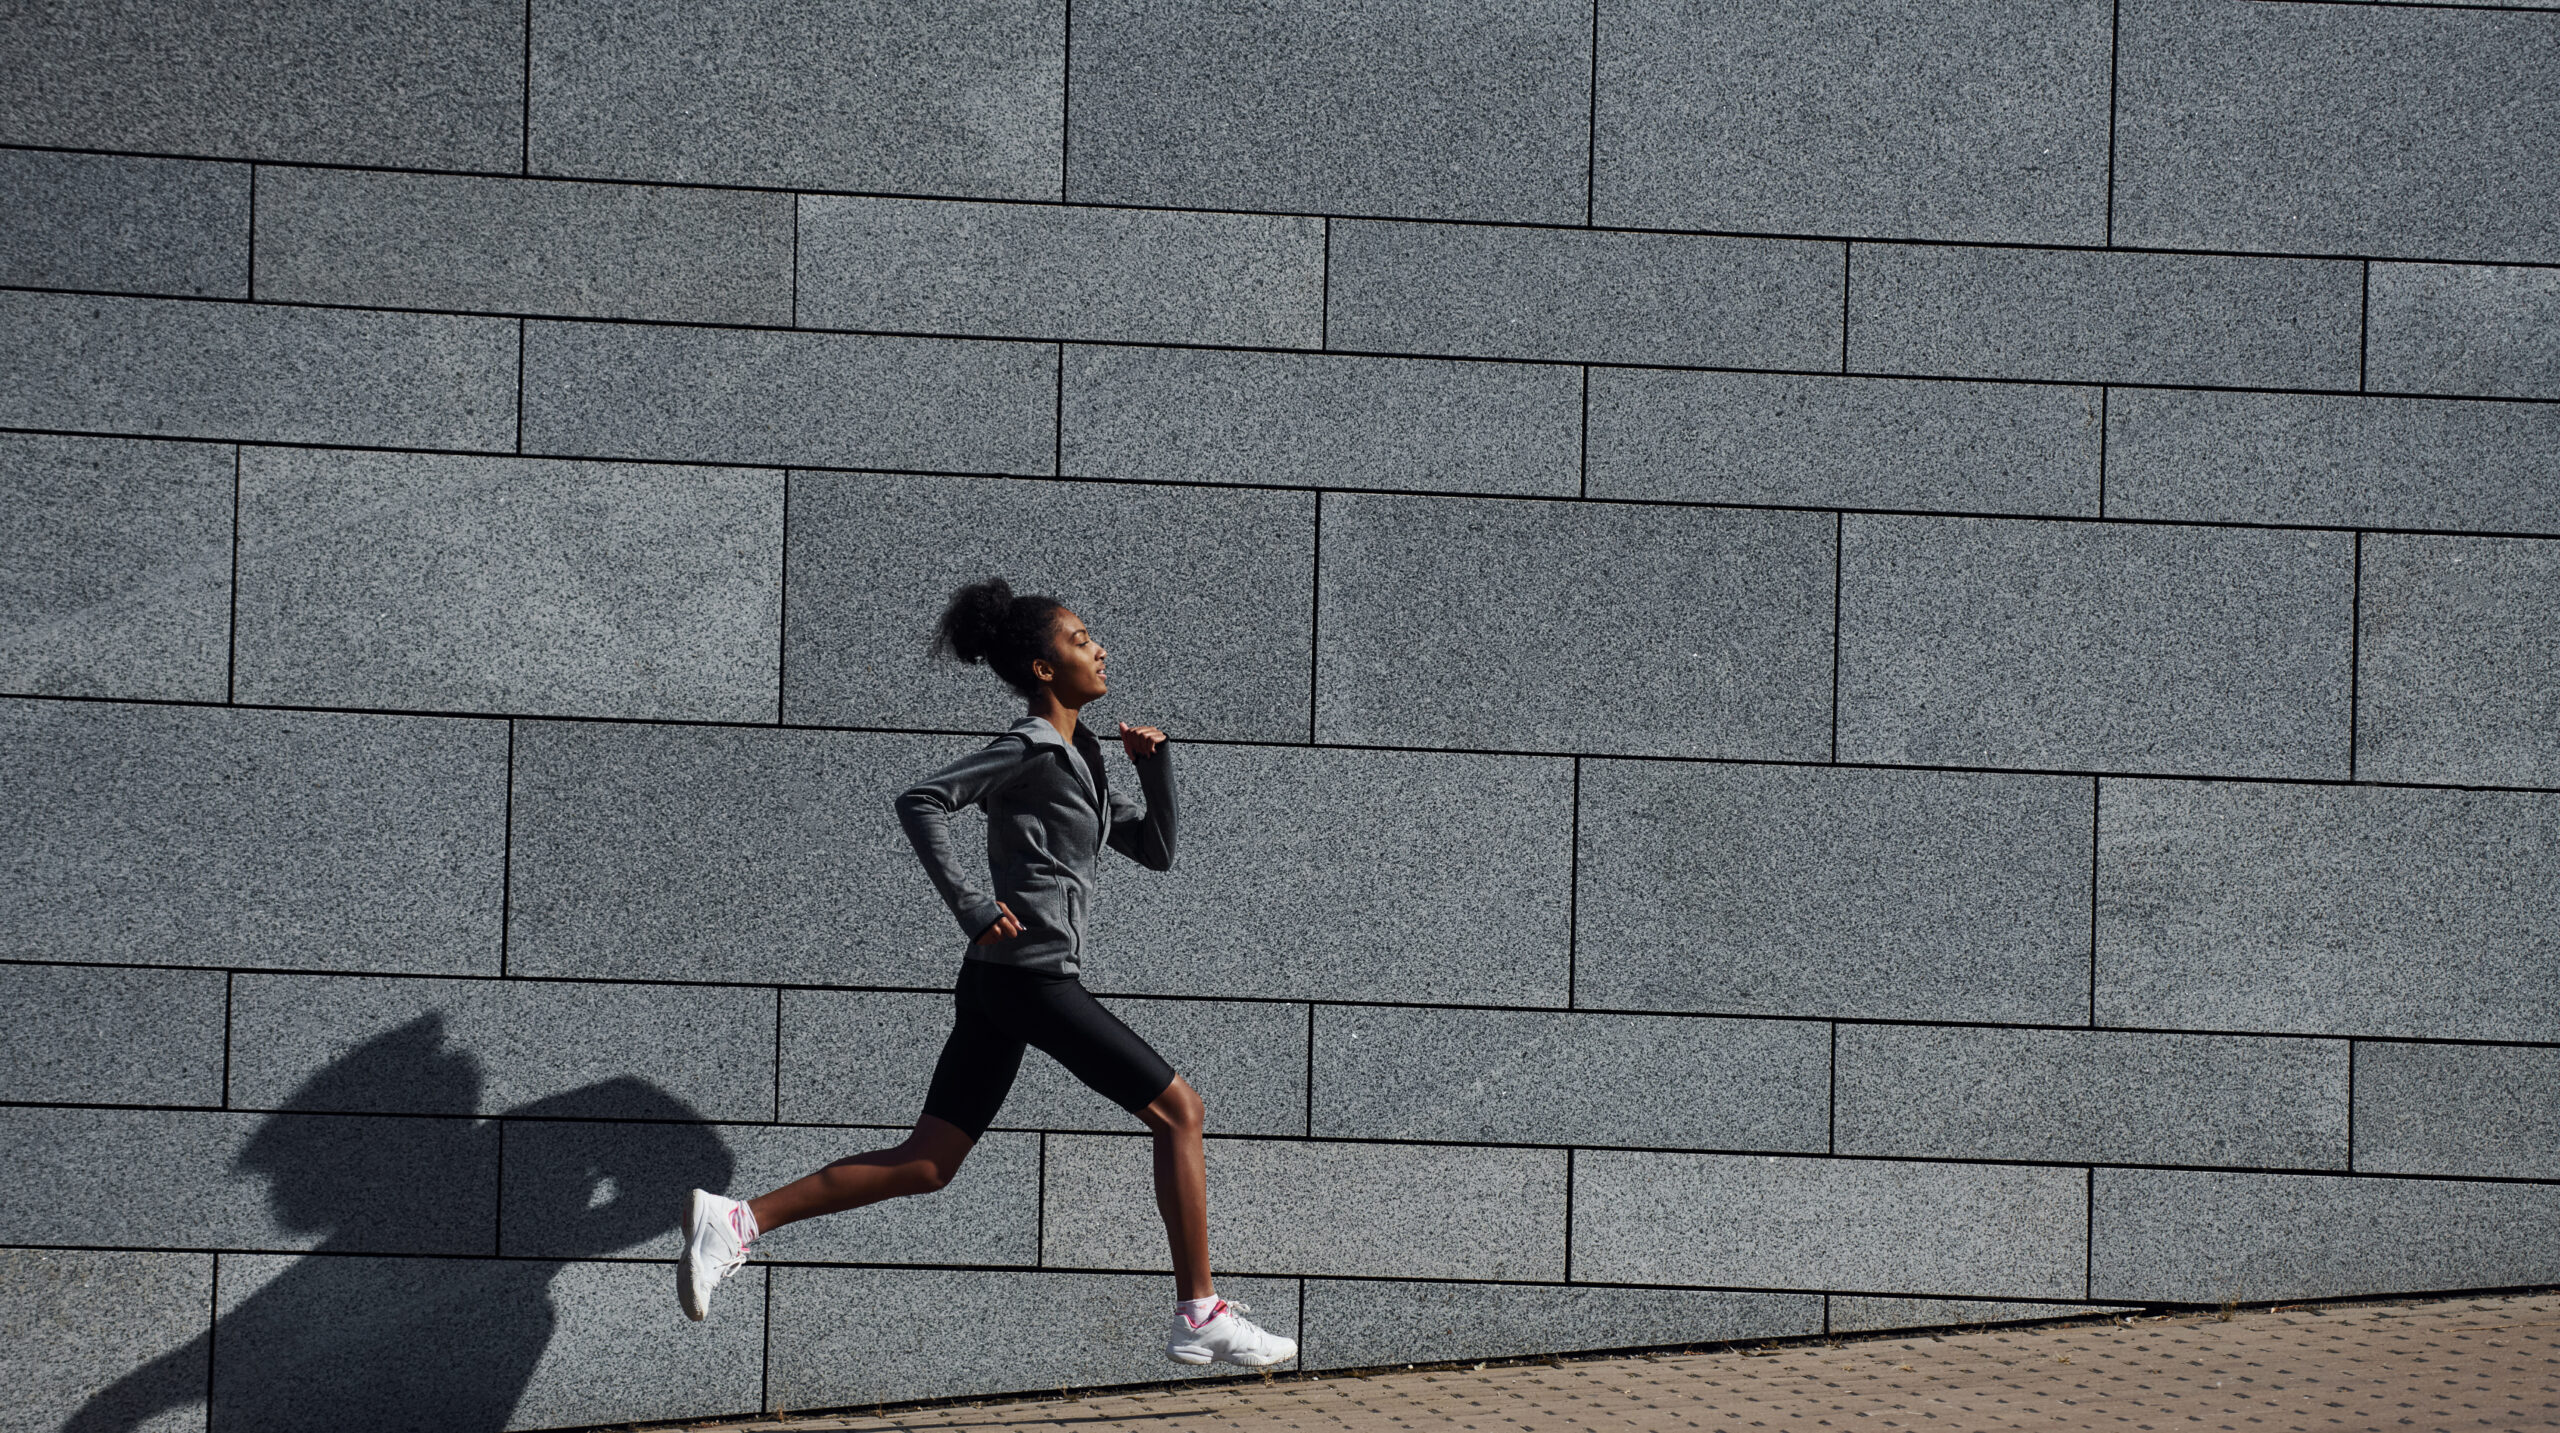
[(1196, 1312)]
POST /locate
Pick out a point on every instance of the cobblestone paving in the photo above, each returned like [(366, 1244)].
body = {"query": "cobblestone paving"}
[(2451, 1364)]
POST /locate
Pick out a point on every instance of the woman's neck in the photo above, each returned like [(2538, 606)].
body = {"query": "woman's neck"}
[(1056, 713)]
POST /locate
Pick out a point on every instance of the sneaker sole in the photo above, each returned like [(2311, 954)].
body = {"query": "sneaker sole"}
[(689, 1290)]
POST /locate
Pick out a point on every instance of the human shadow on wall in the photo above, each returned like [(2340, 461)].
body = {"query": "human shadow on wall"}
[(337, 1342)]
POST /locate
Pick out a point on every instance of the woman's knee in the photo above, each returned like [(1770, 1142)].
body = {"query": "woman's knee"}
[(1177, 1111)]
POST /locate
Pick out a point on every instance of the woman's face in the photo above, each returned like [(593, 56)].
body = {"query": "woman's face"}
[(1073, 669)]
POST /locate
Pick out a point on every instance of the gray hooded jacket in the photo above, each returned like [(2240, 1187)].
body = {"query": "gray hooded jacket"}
[(1049, 811)]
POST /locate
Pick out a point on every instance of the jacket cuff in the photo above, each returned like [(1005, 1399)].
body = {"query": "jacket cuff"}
[(978, 915)]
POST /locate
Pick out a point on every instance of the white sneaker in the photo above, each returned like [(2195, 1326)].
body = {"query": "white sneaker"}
[(713, 1250), (1228, 1337)]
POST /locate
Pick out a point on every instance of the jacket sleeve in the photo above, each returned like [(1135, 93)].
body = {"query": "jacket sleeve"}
[(925, 811), (1143, 830)]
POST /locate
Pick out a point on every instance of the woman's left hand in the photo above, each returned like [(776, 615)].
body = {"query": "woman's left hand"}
[(1140, 740)]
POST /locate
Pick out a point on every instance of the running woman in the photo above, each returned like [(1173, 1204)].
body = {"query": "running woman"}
[(1050, 810)]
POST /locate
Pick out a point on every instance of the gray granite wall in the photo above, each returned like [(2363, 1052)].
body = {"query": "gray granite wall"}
[(1838, 663)]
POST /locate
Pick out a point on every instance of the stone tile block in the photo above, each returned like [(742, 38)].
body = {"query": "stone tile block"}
[(1297, 1207), (105, 1035), (877, 95), (2333, 461), (1987, 1230), (805, 399), (1036, 271), (1852, 1313), (119, 1337), (435, 85), (1789, 441), (2093, 317), (2329, 910), (2090, 1097), (115, 567), (2443, 328), (475, 1343), (1419, 109), (508, 585), (1978, 642), (284, 375), (1483, 292), (151, 226), (2170, 1236), (867, 1336), (2459, 663), (1196, 592), (989, 1214), (1882, 117), (1538, 1077), (674, 853), (2458, 1109), (293, 840), (1210, 416), (2341, 129), (1351, 875), (524, 246), (571, 1050), (1592, 657), (1803, 891), (193, 1179), (1362, 1323)]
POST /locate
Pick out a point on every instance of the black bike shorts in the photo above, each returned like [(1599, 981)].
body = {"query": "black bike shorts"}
[(998, 1009)]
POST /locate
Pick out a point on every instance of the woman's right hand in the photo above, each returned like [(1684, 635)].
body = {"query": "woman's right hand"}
[(1005, 928)]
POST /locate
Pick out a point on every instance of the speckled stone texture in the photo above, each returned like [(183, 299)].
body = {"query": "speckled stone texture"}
[(2333, 461), (878, 95), (2087, 317), (703, 854), (2443, 328), (591, 250), (2460, 663), (120, 1336), (1206, 416), (508, 585), (1422, 109), (149, 226), (595, 1051), (74, 1034), (1888, 894), (1297, 1207), (1501, 1076), (1198, 596), (2096, 1096), (2304, 909), (1017, 271), (1761, 1221), (989, 1214), (1349, 875), (1881, 117), (284, 375), (1595, 652), (1779, 439), (191, 1179), (2078, 646), (2458, 1109), (1361, 1323), (865, 1336), (2165, 1235), (1852, 1313), (482, 1344), (1478, 291), (820, 400), (867, 1056), (2341, 129), (299, 840), (438, 84), (115, 567)]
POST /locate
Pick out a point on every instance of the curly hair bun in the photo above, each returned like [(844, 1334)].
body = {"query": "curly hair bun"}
[(973, 625)]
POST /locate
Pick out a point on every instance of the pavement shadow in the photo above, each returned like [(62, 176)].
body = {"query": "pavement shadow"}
[(341, 1341)]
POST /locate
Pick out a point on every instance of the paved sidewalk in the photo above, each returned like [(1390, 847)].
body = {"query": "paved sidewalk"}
[(2450, 1364)]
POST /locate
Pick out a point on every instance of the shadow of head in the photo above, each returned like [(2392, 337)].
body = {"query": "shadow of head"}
[(327, 1172)]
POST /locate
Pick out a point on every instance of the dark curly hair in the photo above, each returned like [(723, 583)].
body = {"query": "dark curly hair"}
[(985, 622)]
